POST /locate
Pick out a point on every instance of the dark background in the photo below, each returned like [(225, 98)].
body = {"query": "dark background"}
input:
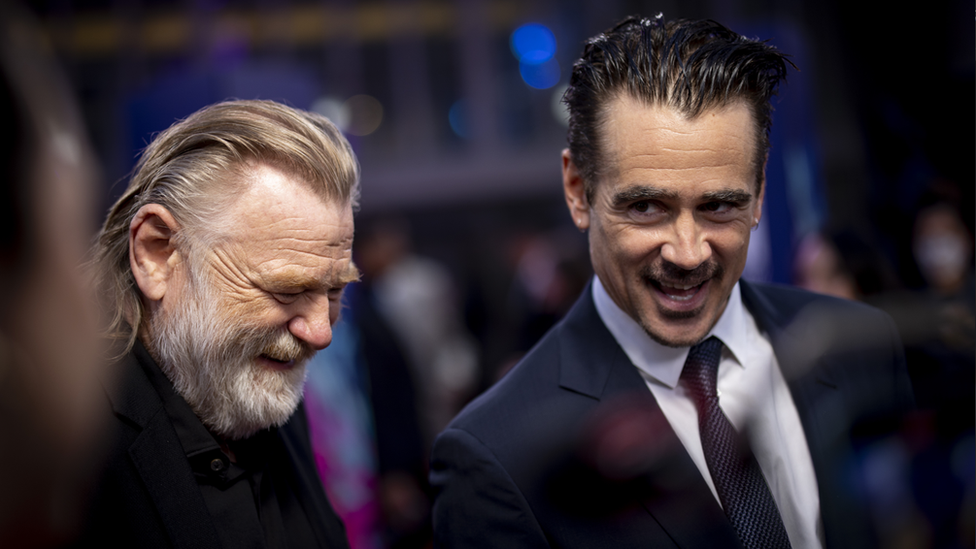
[(883, 98), (878, 117), (878, 114)]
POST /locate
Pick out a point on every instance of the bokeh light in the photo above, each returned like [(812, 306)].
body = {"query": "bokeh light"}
[(533, 43), (365, 114), (542, 75), (459, 118), (333, 109)]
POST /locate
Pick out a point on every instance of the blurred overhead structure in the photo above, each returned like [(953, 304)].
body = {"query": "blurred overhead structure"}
[(143, 64)]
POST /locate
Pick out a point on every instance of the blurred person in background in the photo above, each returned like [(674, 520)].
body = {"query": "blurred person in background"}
[(943, 249), (342, 427), (675, 404), (417, 297), (363, 403), (843, 264), (818, 267), (223, 265), (917, 479), (421, 364), (51, 360), (549, 272), (939, 324)]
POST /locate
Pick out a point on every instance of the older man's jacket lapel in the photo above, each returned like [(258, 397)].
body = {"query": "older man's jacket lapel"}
[(157, 457)]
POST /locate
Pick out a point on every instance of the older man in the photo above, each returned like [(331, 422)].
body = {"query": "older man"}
[(224, 263), (675, 405)]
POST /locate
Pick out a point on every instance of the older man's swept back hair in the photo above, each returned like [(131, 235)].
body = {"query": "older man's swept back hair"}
[(689, 66), (194, 169)]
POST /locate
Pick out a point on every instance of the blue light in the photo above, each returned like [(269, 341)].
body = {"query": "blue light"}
[(533, 43), (540, 75), (457, 116)]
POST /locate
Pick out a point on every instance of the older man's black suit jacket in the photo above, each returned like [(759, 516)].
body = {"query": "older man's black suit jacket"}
[(524, 465), (148, 496)]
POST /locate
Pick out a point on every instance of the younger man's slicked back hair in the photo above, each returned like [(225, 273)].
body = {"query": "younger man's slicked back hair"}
[(197, 167), (689, 66)]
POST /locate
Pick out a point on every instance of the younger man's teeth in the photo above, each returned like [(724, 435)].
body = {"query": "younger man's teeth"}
[(678, 286)]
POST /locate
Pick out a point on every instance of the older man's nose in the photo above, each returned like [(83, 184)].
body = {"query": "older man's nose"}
[(313, 325)]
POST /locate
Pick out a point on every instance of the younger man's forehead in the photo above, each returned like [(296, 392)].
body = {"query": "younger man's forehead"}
[(622, 107)]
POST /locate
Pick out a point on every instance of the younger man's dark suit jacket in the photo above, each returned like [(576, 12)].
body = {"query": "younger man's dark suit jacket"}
[(524, 465), (148, 496)]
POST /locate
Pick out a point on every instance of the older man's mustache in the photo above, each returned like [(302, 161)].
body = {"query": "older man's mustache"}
[(284, 347)]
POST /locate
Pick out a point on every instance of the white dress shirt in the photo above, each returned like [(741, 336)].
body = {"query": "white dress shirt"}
[(752, 393)]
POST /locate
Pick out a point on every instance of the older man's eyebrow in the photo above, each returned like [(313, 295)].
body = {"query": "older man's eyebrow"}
[(293, 281), (300, 281), (733, 196), (642, 192), (350, 274)]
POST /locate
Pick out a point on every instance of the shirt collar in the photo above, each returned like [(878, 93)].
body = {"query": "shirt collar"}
[(662, 363), (199, 445)]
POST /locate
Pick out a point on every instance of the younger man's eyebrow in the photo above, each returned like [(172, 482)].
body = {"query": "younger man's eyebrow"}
[(728, 195), (637, 193)]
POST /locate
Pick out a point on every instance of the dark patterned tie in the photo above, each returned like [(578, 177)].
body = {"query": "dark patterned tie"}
[(735, 472)]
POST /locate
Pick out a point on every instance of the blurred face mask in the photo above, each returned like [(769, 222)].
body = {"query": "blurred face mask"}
[(942, 257)]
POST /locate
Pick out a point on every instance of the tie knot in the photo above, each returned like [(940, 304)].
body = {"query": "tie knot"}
[(700, 373)]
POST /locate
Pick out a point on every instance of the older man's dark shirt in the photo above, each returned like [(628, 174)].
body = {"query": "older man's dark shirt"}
[(168, 482), (251, 497)]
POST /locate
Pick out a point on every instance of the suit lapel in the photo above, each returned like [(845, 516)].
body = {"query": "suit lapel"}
[(818, 387), (809, 375), (673, 491), (157, 456)]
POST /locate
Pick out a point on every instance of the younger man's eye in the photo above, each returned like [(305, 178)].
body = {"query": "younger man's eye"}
[(717, 206)]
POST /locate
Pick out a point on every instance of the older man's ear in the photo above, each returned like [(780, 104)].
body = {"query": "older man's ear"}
[(152, 254)]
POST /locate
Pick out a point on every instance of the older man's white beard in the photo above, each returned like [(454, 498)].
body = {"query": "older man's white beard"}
[(211, 361)]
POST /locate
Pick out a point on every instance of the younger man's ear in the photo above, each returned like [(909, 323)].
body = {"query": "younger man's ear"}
[(575, 192), (757, 207), (152, 253)]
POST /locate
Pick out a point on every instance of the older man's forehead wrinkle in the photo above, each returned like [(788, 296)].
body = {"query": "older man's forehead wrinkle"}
[(294, 226), (311, 261), (228, 268), (312, 242)]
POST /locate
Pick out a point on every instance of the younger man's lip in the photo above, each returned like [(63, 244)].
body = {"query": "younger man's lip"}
[(664, 286), (677, 286), (680, 296)]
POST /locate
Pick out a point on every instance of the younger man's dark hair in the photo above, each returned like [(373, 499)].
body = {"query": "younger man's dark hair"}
[(690, 66)]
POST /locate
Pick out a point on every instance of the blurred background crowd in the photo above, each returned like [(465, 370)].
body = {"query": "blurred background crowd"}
[(466, 250)]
